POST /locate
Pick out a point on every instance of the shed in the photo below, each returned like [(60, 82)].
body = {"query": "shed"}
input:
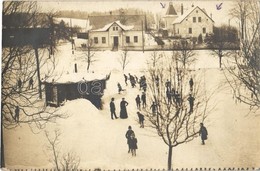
[(90, 86)]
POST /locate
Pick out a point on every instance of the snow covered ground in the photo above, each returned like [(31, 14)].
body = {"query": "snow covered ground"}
[(234, 136)]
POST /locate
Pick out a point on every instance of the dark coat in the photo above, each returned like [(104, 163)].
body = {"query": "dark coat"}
[(138, 100), (133, 143), (203, 133), (112, 106), (141, 117), (123, 111), (128, 135)]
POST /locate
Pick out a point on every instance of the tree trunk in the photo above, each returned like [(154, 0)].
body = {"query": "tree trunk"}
[(170, 158), (38, 71), (220, 61)]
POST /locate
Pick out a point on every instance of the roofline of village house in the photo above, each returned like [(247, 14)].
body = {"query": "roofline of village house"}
[(191, 12)]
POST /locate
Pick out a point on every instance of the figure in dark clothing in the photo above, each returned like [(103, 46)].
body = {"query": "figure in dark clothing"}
[(113, 109), (178, 98), (203, 133), (132, 80), (168, 85), (123, 111), (19, 84), (191, 84), (133, 144), (141, 119), (143, 98), (138, 102), (17, 113), (136, 79), (191, 102), (169, 96), (119, 88), (128, 136), (30, 83), (154, 108), (126, 79)]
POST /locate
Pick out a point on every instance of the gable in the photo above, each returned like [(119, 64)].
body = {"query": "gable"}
[(190, 12)]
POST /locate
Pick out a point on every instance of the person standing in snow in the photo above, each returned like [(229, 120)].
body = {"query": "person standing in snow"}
[(143, 98), (128, 134), (30, 83), (17, 113), (191, 84), (203, 133), (113, 108), (138, 102), (141, 119), (154, 108), (125, 76), (123, 111), (191, 102), (133, 144)]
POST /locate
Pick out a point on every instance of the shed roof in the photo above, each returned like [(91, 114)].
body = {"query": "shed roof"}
[(77, 77)]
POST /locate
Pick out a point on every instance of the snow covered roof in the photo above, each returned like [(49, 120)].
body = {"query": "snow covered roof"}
[(187, 13), (77, 77), (124, 27)]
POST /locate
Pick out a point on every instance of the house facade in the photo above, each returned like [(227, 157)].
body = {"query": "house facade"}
[(190, 23), (116, 35), (193, 23)]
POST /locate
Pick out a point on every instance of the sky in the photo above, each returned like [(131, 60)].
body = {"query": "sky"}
[(219, 16)]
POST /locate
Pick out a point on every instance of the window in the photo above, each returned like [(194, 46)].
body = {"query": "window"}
[(114, 28), (194, 19), (135, 39), (197, 11), (199, 19), (190, 30), (95, 40), (204, 30), (103, 39), (127, 39)]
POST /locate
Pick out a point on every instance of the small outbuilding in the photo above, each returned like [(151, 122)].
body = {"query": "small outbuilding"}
[(90, 86)]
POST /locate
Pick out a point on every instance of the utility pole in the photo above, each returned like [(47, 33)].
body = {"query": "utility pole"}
[(142, 36)]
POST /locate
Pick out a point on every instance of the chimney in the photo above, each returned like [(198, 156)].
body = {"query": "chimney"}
[(211, 15), (170, 3), (181, 9)]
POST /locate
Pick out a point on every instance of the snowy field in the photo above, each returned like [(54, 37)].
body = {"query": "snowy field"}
[(100, 142)]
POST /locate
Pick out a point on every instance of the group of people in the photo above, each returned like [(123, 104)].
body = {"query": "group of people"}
[(123, 110), (20, 83), (131, 141), (134, 80), (140, 100)]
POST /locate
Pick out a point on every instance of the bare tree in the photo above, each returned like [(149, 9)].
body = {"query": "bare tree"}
[(124, 59), (89, 52), (244, 79), (68, 161), (172, 117)]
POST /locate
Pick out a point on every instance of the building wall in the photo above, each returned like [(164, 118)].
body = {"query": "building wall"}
[(182, 28), (168, 20), (99, 35), (115, 31)]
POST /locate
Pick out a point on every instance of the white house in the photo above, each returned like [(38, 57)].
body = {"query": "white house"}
[(193, 23), (190, 23), (116, 35)]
